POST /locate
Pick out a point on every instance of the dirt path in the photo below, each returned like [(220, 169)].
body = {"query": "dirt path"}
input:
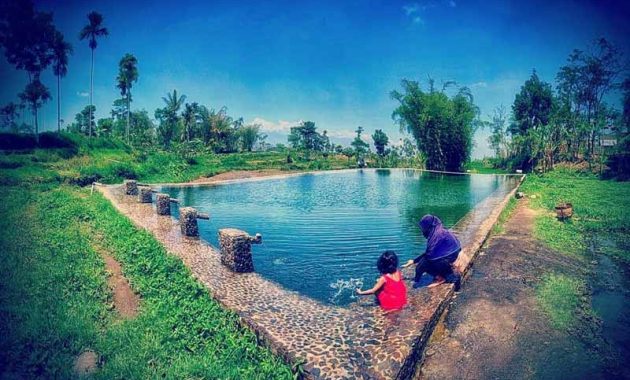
[(496, 330), (239, 174), (126, 302)]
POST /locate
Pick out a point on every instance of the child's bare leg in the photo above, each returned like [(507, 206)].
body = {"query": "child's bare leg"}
[(438, 280)]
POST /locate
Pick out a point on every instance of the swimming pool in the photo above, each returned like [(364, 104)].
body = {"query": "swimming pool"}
[(322, 233)]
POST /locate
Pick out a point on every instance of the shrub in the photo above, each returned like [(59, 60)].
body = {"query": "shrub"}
[(9, 141)]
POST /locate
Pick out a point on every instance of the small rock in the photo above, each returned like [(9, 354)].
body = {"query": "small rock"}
[(533, 196), (430, 352), (85, 364)]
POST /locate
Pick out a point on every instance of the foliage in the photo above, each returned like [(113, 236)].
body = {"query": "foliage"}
[(8, 116), (250, 135), (360, 147), (35, 95), (94, 29), (127, 75), (442, 127), (381, 141), (305, 137), (498, 139)]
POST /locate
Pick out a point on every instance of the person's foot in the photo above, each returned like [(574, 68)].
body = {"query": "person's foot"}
[(437, 281)]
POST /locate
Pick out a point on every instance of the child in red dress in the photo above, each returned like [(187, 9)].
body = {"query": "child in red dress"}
[(390, 288)]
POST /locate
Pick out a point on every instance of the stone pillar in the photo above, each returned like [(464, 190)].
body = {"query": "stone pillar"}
[(163, 204), (130, 186), (144, 194), (236, 249), (188, 221)]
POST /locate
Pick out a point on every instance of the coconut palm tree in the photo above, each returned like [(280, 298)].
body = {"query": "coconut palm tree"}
[(173, 104), (60, 50), (127, 75), (92, 31)]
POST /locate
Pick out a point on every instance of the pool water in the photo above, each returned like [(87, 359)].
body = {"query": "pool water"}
[(322, 233)]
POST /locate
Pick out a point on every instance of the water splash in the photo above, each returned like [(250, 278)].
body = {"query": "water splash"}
[(344, 287), (279, 261)]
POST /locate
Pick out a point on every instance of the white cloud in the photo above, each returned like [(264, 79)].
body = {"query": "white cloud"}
[(418, 20), (343, 134), (83, 94), (280, 126), (479, 85), (411, 9)]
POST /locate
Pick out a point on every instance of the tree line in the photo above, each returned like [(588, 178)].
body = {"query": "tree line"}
[(571, 122)]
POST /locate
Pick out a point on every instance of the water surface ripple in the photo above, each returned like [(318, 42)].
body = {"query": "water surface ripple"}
[(322, 233)]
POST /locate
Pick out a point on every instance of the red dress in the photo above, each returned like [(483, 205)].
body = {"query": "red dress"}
[(393, 294)]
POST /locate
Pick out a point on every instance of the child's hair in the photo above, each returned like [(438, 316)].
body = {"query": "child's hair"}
[(387, 263)]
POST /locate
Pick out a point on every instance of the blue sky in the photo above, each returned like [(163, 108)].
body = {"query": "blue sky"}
[(331, 62)]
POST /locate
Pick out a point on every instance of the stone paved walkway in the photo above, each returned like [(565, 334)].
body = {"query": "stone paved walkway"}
[(358, 342)]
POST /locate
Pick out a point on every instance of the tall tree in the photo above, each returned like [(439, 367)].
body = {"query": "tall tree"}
[(26, 36), (250, 134), (380, 142), (582, 84), (35, 95), (93, 30), (127, 76), (498, 132), (169, 117), (532, 110), (8, 116), (360, 146), (442, 126), (60, 50), (190, 117)]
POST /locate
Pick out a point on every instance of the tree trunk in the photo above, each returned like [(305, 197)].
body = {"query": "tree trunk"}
[(91, 91), (36, 125), (58, 104), (128, 105)]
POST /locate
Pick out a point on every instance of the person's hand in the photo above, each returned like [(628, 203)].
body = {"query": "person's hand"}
[(408, 264), (359, 291)]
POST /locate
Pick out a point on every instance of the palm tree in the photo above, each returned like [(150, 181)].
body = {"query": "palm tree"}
[(173, 103), (60, 51), (35, 95), (92, 31), (127, 75)]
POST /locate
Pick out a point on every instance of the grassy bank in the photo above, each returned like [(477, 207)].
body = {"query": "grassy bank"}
[(600, 223), (55, 301)]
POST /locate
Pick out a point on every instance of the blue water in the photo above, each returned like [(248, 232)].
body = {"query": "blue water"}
[(322, 233)]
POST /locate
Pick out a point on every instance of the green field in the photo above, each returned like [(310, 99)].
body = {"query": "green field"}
[(56, 303)]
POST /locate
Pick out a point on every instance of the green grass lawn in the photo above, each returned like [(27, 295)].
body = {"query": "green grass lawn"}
[(55, 301), (600, 225)]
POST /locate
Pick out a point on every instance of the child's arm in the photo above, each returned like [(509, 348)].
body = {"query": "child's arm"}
[(375, 289)]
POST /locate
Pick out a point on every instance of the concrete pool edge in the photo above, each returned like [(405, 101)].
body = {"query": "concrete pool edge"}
[(208, 181), (411, 328)]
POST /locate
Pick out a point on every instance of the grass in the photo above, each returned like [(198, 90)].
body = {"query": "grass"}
[(600, 223), (559, 297), (483, 167), (55, 302), (498, 227)]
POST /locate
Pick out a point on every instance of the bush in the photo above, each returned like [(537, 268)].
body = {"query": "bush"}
[(619, 161), (10, 141)]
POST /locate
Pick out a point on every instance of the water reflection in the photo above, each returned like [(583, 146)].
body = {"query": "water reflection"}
[(321, 229)]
